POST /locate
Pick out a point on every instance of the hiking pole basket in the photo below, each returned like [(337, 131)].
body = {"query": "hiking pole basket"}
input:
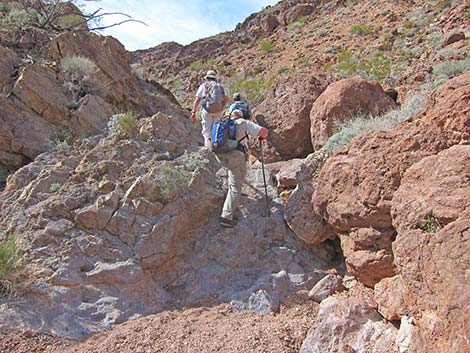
[(264, 178)]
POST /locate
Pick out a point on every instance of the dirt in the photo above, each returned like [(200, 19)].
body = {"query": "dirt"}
[(207, 329)]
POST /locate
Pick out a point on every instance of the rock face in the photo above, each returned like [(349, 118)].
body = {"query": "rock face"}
[(431, 213), (117, 240), (35, 104), (299, 213), (409, 215), (349, 325), (285, 112), (368, 254), (343, 100)]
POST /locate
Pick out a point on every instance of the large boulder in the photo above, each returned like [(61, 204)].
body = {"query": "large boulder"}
[(285, 112), (349, 325), (342, 101), (431, 212), (299, 213), (114, 80), (373, 165), (37, 89)]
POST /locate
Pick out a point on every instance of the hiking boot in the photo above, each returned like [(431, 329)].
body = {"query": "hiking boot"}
[(225, 222)]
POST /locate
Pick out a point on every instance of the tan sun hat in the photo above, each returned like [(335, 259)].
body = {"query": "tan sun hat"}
[(237, 113), (211, 74)]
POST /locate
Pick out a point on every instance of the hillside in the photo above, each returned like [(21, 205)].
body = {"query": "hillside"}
[(109, 209)]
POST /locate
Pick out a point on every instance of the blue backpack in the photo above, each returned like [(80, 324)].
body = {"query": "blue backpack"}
[(223, 136), (243, 107)]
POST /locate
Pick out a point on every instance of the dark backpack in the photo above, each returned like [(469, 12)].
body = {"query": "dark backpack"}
[(243, 107), (213, 101)]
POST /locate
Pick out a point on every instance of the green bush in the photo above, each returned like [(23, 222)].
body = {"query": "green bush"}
[(54, 187), (360, 29), (363, 124), (283, 69), (78, 71), (452, 68), (431, 224), (77, 67), (21, 19), (201, 64), (254, 89), (123, 125), (377, 66), (12, 262), (266, 45), (173, 179), (58, 145)]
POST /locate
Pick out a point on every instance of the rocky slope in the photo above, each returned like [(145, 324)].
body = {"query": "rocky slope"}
[(366, 248)]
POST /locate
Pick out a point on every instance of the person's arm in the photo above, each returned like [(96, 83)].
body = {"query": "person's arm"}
[(263, 134), (195, 106)]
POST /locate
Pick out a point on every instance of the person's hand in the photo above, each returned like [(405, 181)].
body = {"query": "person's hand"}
[(192, 117)]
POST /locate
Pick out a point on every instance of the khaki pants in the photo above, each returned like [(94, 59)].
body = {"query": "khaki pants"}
[(236, 164), (207, 119)]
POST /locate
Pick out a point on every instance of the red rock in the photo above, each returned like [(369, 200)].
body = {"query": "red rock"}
[(431, 252), (343, 100), (285, 112), (453, 38), (372, 165), (368, 254), (389, 295), (299, 213)]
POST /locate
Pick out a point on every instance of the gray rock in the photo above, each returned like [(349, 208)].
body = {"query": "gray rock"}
[(349, 322), (327, 286)]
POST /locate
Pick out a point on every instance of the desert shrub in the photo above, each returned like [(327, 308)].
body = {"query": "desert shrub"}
[(297, 24), (123, 125), (283, 69), (58, 145), (431, 224), (254, 89), (360, 29), (201, 64), (266, 45), (76, 67), (12, 263), (20, 19), (138, 70), (452, 68), (376, 66), (70, 21), (435, 82), (175, 177), (54, 187), (78, 72), (362, 124)]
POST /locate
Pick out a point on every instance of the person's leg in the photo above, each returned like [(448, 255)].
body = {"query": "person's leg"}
[(206, 123), (235, 162)]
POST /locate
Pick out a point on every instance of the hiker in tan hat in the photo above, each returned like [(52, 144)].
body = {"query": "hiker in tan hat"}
[(212, 97)]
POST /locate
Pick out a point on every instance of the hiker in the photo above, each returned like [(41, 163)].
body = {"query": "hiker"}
[(240, 105), (235, 162), (211, 96)]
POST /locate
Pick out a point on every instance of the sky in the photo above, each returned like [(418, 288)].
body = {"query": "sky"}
[(182, 21)]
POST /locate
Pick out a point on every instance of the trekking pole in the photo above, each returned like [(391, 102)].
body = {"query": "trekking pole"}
[(264, 177)]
